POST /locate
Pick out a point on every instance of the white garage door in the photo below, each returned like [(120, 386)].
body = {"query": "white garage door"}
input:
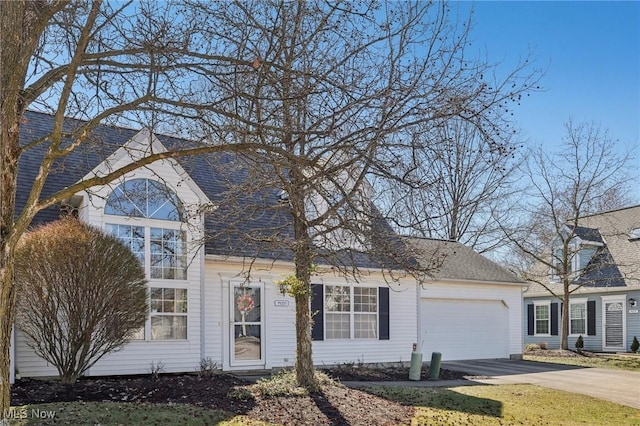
[(464, 329)]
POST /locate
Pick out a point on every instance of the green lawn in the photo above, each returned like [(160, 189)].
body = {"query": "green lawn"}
[(618, 362), (509, 404), (468, 405), (112, 413)]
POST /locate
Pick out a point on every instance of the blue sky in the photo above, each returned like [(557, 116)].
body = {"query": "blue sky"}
[(590, 52)]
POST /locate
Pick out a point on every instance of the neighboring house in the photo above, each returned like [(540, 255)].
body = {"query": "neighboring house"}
[(604, 309), (205, 305)]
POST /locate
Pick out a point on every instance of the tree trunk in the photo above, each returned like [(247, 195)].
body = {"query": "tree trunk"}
[(7, 303), (13, 66), (564, 342), (305, 373)]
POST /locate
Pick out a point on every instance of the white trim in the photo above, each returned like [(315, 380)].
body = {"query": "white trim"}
[(323, 269), (579, 301), (141, 145), (147, 224), (149, 337), (428, 282), (203, 305), (621, 298), (231, 326), (536, 303), (351, 312)]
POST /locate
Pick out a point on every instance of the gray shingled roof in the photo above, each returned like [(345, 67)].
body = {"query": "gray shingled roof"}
[(459, 262), (588, 234), (257, 213), (616, 265), (614, 226)]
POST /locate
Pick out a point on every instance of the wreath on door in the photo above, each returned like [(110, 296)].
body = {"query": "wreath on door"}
[(245, 303)]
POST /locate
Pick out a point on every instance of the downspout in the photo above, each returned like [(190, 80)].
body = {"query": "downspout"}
[(419, 331), (203, 313)]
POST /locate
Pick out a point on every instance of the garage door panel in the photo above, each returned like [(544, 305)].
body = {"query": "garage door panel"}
[(464, 329)]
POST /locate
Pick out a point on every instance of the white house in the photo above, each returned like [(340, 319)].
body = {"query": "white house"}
[(204, 305)]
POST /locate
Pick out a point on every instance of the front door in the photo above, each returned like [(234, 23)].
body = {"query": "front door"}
[(247, 342), (613, 324)]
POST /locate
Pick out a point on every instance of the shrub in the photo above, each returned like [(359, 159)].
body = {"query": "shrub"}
[(544, 345), (579, 343), (156, 369), (81, 293), (531, 347), (635, 345), (208, 367), (284, 383), (241, 393)]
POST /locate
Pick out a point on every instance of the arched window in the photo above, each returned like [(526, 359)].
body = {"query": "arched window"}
[(161, 248), (144, 198)]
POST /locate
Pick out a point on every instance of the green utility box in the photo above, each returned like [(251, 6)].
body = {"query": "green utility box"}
[(434, 367)]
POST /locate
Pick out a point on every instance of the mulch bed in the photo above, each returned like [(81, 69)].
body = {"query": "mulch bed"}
[(559, 353), (365, 374), (333, 405)]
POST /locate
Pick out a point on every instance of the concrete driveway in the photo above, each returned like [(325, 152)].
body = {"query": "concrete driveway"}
[(622, 387)]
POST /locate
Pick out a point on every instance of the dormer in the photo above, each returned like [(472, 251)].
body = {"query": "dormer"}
[(582, 245)]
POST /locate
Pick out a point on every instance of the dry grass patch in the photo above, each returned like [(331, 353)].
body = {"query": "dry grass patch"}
[(509, 404)]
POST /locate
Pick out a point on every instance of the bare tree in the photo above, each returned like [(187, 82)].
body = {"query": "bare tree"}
[(587, 175), (81, 294), (468, 182), (339, 88), (129, 63), (320, 89)]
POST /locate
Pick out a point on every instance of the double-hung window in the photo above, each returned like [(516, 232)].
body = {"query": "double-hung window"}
[(168, 313), (543, 319), (351, 312), (147, 217), (577, 317)]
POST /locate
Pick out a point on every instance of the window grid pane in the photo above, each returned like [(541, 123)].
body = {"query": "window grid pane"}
[(577, 316), (542, 319), (338, 326), (365, 299), (168, 254), (144, 198), (365, 326), (347, 309), (338, 298), (168, 313), (131, 236)]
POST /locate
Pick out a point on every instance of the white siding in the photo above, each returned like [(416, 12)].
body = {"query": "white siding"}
[(28, 364), (137, 356), (402, 330), (509, 295), (279, 321), (212, 318)]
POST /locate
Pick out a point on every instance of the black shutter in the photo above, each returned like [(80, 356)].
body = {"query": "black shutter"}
[(317, 311), (383, 317), (591, 318), (554, 319), (531, 326)]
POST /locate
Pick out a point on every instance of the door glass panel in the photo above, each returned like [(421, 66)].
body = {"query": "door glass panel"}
[(247, 329)]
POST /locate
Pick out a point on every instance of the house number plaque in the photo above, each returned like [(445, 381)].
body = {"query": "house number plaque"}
[(282, 303)]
